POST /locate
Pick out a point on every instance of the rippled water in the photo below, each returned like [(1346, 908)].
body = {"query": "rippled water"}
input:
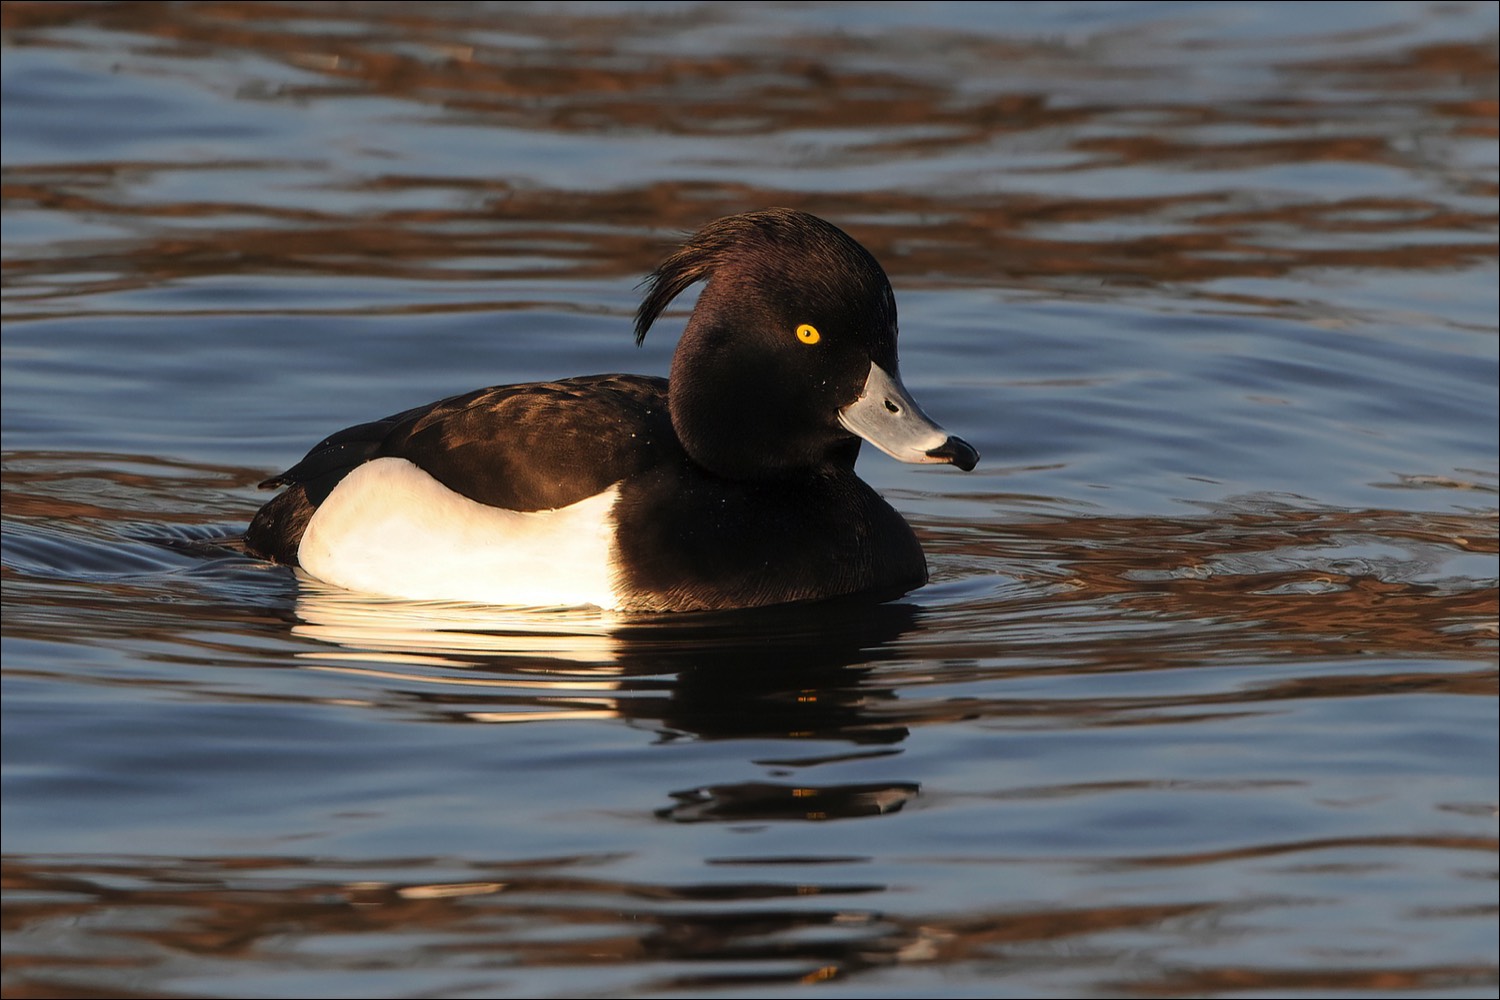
[(1200, 701)]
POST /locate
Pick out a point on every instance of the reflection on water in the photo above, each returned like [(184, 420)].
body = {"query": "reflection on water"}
[(229, 909), (243, 916), (1200, 701), (776, 672), (1041, 113)]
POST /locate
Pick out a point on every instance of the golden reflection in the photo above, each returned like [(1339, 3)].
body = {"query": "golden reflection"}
[(1271, 579), (77, 486), (1480, 845), (184, 917), (449, 891), (567, 72), (1378, 981)]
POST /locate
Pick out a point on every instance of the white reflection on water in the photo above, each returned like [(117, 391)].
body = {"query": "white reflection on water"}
[(437, 631)]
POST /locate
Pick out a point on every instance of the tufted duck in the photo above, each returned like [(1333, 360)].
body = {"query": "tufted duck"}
[(729, 485)]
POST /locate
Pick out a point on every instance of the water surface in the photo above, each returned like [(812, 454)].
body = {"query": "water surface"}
[(1200, 700)]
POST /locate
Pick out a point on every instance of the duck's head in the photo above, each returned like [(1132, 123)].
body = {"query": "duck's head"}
[(790, 355)]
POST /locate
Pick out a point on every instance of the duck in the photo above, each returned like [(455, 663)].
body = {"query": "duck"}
[(729, 484)]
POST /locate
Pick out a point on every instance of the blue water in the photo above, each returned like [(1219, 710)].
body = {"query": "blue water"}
[(1200, 700)]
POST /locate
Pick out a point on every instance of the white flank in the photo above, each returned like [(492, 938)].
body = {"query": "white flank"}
[(389, 528)]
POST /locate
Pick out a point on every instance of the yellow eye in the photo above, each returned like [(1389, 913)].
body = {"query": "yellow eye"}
[(808, 334)]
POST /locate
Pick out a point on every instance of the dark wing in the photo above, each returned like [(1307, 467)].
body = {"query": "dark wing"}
[(536, 446), (541, 445)]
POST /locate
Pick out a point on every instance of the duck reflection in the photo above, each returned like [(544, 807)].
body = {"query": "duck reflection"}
[(786, 672), (758, 800)]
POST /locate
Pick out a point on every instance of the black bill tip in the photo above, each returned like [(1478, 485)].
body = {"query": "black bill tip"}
[(956, 451)]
